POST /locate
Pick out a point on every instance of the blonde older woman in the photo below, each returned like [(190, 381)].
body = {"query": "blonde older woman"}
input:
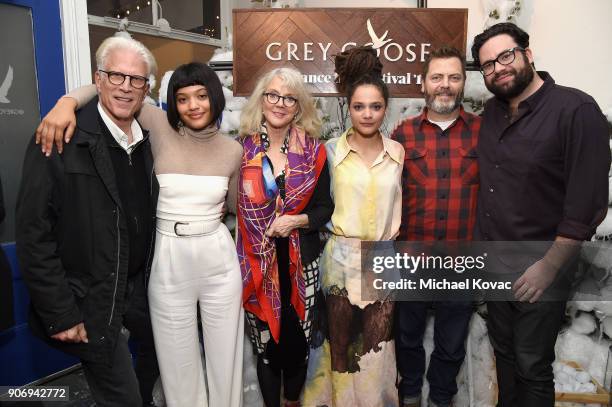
[(283, 200)]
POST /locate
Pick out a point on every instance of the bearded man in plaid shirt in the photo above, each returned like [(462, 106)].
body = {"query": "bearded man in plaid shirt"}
[(440, 187)]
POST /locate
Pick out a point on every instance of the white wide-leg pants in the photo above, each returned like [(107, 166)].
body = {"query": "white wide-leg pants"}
[(187, 271)]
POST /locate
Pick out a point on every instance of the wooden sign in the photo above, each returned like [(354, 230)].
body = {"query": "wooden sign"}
[(307, 40)]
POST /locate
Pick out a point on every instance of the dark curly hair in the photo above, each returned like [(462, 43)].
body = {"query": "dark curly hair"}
[(359, 66), (519, 36)]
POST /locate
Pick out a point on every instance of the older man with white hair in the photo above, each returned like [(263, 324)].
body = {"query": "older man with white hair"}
[(85, 232)]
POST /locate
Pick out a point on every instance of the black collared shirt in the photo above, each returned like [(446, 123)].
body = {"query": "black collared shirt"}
[(544, 174)]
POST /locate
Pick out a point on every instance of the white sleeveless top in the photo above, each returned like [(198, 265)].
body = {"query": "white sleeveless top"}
[(189, 198)]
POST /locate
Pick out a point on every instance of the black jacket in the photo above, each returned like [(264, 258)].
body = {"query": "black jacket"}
[(2, 210), (6, 281), (319, 210), (72, 238)]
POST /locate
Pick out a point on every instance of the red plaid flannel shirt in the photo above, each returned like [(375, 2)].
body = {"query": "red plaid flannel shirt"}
[(440, 178)]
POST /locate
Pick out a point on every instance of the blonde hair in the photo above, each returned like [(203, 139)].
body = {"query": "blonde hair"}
[(115, 43), (307, 118)]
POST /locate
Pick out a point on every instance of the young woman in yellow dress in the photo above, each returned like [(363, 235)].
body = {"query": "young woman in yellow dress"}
[(355, 365)]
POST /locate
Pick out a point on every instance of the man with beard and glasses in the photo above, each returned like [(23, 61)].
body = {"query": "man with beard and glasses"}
[(544, 160), (440, 187)]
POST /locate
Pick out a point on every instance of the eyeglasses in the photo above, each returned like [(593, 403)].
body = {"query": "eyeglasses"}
[(273, 98), (117, 78), (504, 58)]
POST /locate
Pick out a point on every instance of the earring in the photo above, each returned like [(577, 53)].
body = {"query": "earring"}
[(383, 126), (219, 121), (181, 127)]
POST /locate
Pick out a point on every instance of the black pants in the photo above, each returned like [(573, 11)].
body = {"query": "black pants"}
[(123, 383), (7, 319), (451, 324), (283, 364), (523, 336)]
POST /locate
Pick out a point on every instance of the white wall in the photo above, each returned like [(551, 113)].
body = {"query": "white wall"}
[(572, 42), (569, 38), (242, 4)]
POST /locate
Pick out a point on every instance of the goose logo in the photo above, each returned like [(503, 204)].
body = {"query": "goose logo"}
[(377, 42), (6, 85)]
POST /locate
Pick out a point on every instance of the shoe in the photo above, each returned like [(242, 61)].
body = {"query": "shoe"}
[(414, 401), (287, 403), (431, 403)]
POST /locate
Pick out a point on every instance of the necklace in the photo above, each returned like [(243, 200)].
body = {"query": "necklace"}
[(265, 140)]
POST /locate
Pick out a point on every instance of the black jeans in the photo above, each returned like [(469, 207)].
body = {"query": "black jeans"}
[(125, 383), (451, 324), (523, 336)]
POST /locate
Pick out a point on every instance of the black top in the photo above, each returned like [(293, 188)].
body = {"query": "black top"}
[(135, 194), (545, 173), (319, 210), (292, 349)]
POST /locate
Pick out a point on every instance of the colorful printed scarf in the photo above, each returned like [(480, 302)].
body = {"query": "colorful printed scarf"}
[(257, 211)]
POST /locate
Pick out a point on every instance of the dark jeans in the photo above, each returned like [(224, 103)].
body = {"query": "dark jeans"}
[(124, 383), (451, 324), (523, 336)]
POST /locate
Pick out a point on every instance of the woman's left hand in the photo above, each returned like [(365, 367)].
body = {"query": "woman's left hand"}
[(284, 224)]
